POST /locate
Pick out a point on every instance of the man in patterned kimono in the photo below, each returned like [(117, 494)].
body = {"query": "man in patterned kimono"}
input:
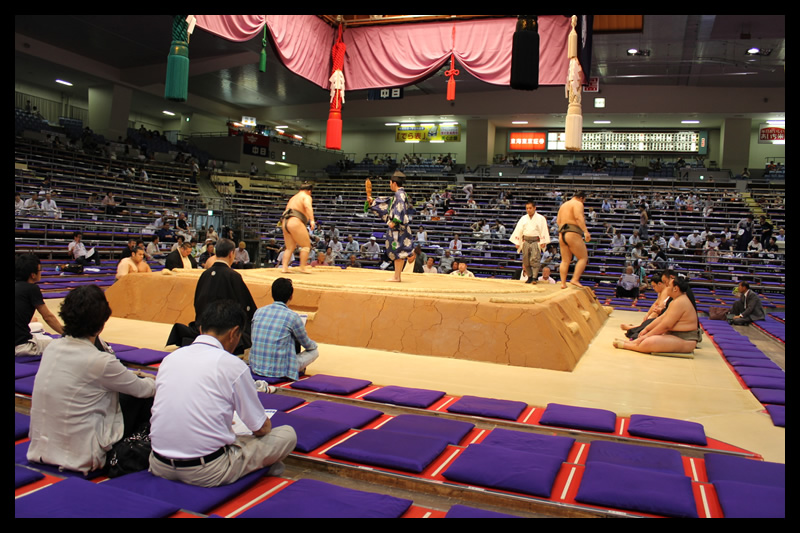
[(394, 211)]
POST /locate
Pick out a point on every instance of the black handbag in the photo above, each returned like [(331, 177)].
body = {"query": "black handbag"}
[(131, 454)]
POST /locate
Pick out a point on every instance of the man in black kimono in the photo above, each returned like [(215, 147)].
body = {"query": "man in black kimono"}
[(218, 282)]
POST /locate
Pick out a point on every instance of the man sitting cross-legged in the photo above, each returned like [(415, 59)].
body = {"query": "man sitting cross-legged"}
[(198, 388), (675, 331), (278, 333)]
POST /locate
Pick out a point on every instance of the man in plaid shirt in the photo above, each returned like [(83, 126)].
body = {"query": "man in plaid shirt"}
[(277, 334)]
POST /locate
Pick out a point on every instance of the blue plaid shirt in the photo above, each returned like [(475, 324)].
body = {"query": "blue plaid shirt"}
[(275, 328)]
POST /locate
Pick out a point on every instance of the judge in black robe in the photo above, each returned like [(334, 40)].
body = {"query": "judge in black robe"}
[(218, 282)]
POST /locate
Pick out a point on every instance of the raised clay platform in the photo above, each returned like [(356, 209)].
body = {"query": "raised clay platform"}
[(498, 321)]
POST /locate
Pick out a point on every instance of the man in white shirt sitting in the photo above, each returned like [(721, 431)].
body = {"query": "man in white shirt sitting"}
[(462, 271), (194, 442), (545, 277), (49, 206), (429, 267), (77, 251), (455, 245), (371, 250)]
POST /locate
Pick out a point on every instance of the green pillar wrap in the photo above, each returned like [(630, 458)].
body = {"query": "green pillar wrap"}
[(177, 84)]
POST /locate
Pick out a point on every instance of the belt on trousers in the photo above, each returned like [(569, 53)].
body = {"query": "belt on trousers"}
[(183, 463), (530, 239)]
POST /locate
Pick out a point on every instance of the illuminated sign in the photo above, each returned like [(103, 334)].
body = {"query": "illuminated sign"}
[(428, 133), (527, 141), (768, 134)]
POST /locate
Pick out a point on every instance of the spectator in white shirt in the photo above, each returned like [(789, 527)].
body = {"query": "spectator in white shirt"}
[(676, 244), (429, 267), (455, 245), (545, 277)]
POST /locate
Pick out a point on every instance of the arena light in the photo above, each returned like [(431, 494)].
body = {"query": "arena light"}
[(170, 113), (64, 82), (521, 122)]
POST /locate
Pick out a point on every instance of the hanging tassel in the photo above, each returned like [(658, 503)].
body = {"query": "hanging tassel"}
[(262, 64), (525, 54), (574, 122), (177, 84), (333, 137), (451, 82)]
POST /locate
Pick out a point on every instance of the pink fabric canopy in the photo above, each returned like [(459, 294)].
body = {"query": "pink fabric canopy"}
[(399, 55)]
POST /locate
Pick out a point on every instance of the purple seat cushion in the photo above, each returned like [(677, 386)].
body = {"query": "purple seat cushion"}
[(754, 353), (637, 489), (721, 467), (352, 415), (669, 429), (764, 362), (311, 432), (530, 442), (388, 449), (634, 456), (462, 511), (279, 402), (121, 347), (579, 418), (78, 498), (772, 396), (474, 405), (142, 356), (22, 424), (309, 498), (24, 476), (506, 469), (331, 384), (24, 370), (270, 380), (746, 500), (405, 396), (758, 371), (753, 381), (451, 430), (778, 414), (182, 495), (24, 385), (21, 458)]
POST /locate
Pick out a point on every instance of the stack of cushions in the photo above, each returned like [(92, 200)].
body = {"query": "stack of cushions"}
[(747, 488), (510, 460), (637, 478)]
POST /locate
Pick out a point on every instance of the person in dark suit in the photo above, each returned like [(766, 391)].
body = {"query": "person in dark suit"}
[(181, 257), (748, 309), (218, 282)]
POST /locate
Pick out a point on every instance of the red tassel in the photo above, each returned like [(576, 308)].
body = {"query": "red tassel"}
[(333, 136), (451, 82)]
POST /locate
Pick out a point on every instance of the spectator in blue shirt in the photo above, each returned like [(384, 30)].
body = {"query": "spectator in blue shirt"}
[(278, 333)]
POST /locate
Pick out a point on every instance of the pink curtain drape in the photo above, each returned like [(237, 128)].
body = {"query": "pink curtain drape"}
[(399, 55)]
